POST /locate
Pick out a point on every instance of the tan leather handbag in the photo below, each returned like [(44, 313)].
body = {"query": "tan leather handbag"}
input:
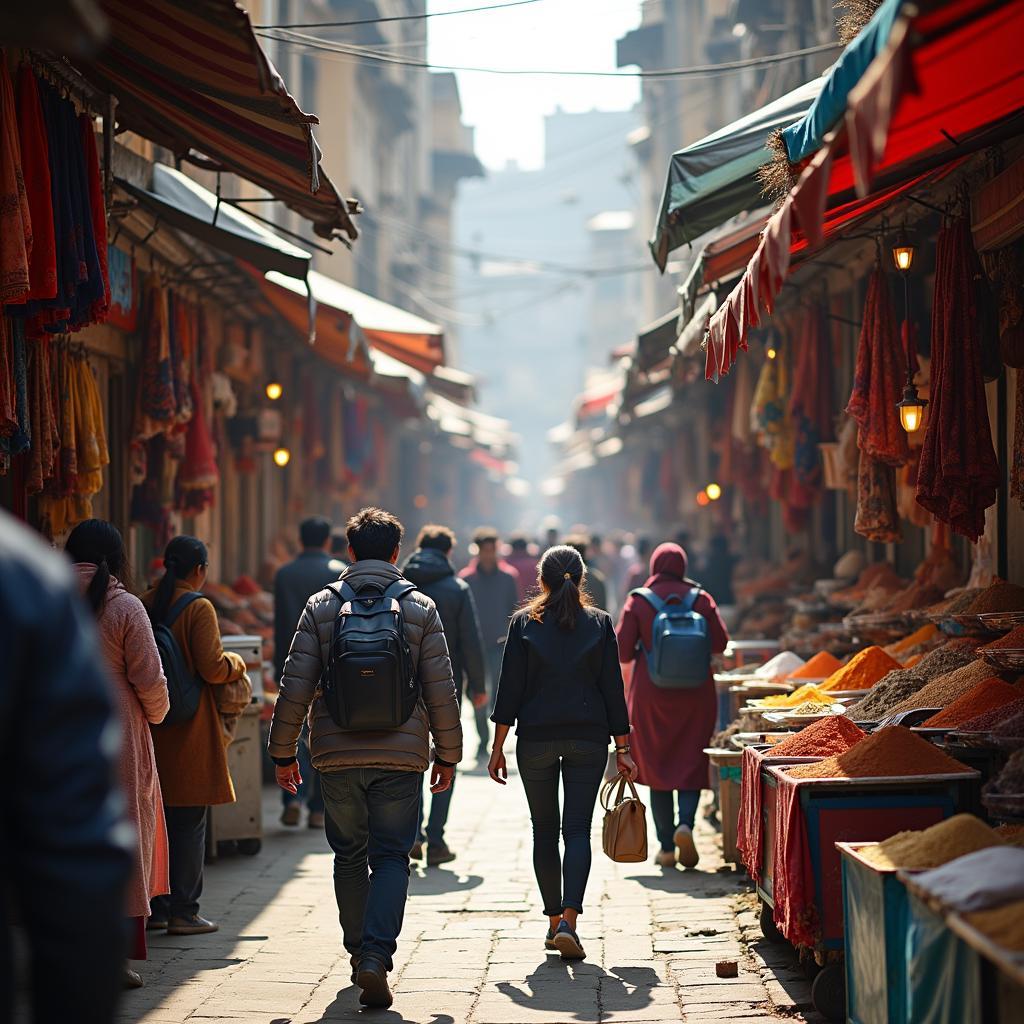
[(624, 834)]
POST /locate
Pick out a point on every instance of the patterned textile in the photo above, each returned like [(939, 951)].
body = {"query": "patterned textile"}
[(156, 405), (877, 517), (15, 216), (1017, 455), (35, 163), (810, 407)]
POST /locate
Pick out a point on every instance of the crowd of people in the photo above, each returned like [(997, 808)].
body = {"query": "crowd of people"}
[(556, 644)]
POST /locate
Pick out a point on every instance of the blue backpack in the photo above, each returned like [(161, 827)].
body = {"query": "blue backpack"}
[(680, 654)]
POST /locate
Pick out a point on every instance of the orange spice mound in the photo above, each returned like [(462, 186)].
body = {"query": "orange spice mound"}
[(913, 660), (832, 735), (890, 751), (926, 634), (985, 696), (862, 671), (821, 666)]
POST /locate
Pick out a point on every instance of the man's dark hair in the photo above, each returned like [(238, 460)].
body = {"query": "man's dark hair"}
[(339, 543), (485, 535), (436, 538), (374, 533), (579, 542), (519, 543), (644, 546), (314, 531)]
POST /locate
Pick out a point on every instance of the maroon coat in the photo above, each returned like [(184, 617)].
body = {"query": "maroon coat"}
[(671, 728)]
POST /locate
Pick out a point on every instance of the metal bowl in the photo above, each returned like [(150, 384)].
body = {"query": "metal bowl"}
[(1008, 659), (1001, 622)]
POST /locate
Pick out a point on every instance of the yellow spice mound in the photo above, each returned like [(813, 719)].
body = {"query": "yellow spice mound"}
[(935, 846), (808, 692), (1004, 925)]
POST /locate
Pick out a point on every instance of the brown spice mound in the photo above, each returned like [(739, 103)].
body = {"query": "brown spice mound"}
[(985, 696), (1012, 834), (951, 655), (1004, 925), (994, 718), (829, 736), (1010, 781), (1000, 597), (943, 690), (890, 751), (1013, 641), (957, 604), (935, 846), (889, 691), (1013, 726)]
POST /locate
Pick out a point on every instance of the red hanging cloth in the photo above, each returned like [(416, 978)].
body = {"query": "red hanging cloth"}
[(959, 471), (15, 216)]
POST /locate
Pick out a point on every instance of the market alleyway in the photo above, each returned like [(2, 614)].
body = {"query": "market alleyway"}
[(471, 949)]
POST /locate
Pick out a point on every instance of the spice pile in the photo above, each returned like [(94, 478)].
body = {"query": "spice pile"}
[(784, 663), (919, 642), (808, 691), (1010, 781), (1013, 641), (1003, 925), (888, 752), (1012, 834), (821, 666), (862, 671), (813, 707), (935, 846), (950, 656), (885, 695), (1013, 727), (943, 690), (1000, 597), (957, 604), (833, 735), (988, 695)]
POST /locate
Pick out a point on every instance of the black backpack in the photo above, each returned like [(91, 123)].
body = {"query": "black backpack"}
[(369, 683), (183, 687)]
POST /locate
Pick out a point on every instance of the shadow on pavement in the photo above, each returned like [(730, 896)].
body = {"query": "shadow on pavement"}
[(438, 882), (689, 882), (345, 1007)]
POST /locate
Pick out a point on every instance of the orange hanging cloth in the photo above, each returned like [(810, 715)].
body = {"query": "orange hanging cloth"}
[(15, 216)]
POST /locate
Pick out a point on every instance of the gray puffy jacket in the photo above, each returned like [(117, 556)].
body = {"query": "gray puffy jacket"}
[(403, 749)]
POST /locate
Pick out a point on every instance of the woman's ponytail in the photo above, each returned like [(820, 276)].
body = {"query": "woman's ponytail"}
[(97, 542), (181, 557), (561, 573)]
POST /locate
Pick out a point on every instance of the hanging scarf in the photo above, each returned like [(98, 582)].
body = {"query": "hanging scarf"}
[(810, 407), (770, 411), (156, 406), (878, 378), (98, 294), (44, 431), (15, 215), (877, 516), (35, 162), (1017, 456), (198, 473), (959, 470)]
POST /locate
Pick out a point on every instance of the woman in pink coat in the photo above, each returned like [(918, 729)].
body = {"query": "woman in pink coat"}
[(126, 639), (671, 728)]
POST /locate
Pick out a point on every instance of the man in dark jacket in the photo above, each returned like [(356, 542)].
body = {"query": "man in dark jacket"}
[(66, 851), (429, 568), (295, 583), (596, 582), (495, 586)]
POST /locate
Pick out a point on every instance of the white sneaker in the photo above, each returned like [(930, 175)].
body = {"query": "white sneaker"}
[(686, 848)]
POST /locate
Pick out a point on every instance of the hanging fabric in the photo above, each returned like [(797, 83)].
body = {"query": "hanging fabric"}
[(44, 431), (155, 407), (1017, 455), (198, 474), (15, 215), (877, 517), (99, 294), (810, 407), (959, 470)]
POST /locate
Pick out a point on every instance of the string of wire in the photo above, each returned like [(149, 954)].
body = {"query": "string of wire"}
[(398, 17)]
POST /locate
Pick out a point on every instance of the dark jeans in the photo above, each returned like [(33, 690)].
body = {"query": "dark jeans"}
[(663, 810), (483, 714), (372, 821), (581, 765), (186, 847), (440, 805), (310, 792)]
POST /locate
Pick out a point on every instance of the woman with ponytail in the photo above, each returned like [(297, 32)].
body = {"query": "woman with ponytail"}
[(126, 639), (191, 755), (561, 687)]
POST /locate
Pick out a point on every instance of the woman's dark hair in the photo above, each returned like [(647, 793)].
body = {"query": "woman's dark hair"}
[(97, 542), (181, 556), (561, 573)]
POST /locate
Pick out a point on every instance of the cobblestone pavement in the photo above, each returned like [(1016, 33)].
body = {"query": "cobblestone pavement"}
[(471, 951)]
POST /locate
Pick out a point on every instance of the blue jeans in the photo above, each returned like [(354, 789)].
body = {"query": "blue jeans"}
[(372, 821), (310, 792), (440, 805), (663, 810), (562, 880)]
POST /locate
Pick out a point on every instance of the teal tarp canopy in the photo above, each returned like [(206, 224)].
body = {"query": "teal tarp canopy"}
[(807, 135), (714, 179)]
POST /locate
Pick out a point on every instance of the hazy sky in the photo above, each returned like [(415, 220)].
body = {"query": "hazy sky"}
[(507, 110)]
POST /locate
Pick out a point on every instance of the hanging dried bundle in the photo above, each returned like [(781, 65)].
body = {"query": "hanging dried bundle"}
[(855, 15), (777, 176)]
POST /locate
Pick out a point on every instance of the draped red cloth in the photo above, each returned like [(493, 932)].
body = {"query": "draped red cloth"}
[(959, 471), (15, 216), (810, 407), (750, 826), (99, 308), (35, 164)]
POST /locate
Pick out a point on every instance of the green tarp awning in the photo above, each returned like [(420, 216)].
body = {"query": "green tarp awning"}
[(714, 179)]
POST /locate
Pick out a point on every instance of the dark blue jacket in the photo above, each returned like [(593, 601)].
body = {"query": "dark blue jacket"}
[(295, 583)]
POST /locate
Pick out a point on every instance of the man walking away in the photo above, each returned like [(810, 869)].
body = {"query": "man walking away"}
[(295, 583), (525, 564), (432, 572), (339, 552), (596, 583), (371, 777), (495, 586)]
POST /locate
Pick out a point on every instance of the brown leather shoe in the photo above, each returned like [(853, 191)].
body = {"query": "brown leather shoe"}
[(438, 854), (194, 925), (291, 816), (372, 978)]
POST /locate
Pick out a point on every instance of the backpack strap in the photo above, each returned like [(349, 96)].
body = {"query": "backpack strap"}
[(690, 601), (400, 590), (648, 595), (179, 606)]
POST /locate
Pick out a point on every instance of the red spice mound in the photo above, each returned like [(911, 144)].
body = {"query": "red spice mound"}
[(832, 735), (995, 717), (987, 695), (1013, 727), (890, 751), (999, 597), (1013, 641)]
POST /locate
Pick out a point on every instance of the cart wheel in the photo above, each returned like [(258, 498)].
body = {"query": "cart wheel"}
[(810, 967), (250, 847), (828, 992), (769, 929)]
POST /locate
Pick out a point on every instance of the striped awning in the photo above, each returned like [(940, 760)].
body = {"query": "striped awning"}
[(191, 76)]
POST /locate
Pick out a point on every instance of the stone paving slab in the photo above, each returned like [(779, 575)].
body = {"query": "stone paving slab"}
[(471, 951)]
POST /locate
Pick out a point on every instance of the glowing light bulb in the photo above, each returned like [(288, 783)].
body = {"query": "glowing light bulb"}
[(911, 407), (703, 500), (282, 456), (771, 353), (713, 491), (274, 391)]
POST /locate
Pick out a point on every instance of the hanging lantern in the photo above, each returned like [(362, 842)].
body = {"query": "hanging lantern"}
[(903, 251), (282, 456), (713, 491), (703, 500), (274, 390), (771, 353), (911, 407)]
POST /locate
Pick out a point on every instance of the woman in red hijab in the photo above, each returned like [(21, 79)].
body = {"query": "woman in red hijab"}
[(671, 728)]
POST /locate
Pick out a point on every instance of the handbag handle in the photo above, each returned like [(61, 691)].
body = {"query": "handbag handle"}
[(606, 790)]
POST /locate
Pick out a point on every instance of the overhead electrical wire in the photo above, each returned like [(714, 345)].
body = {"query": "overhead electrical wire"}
[(399, 17), (318, 43)]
